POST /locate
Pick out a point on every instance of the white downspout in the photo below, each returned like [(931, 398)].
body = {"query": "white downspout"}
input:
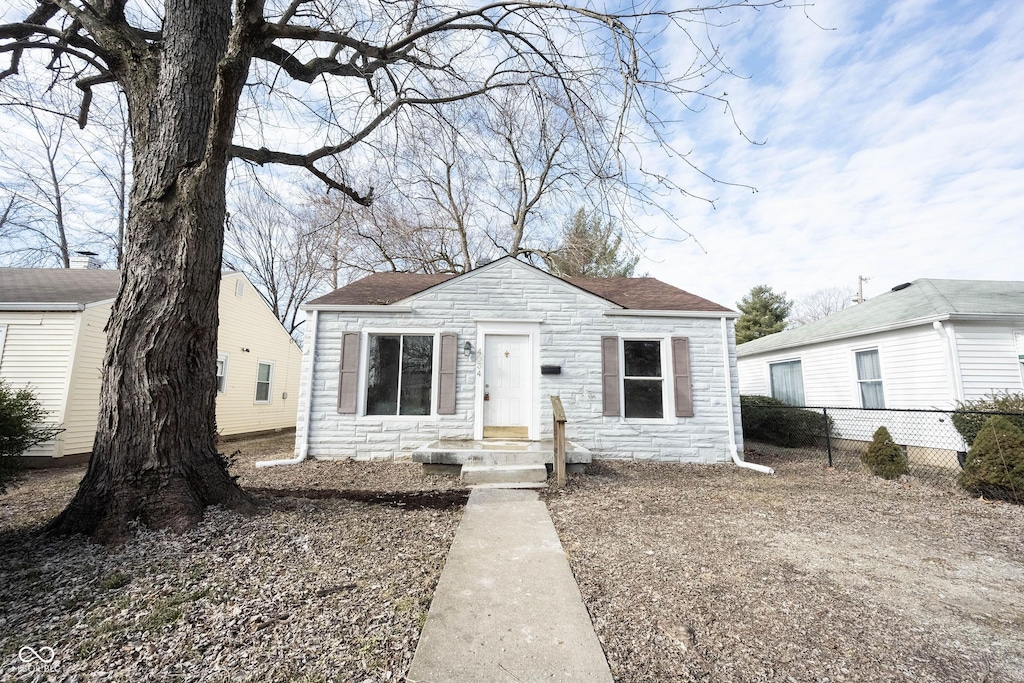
[(949, 337), (733, 448), (304, 447)]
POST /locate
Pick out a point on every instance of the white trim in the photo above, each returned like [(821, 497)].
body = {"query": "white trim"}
[(857, 381), (796, 359), (668, 402), (954, 350), (102, 302), (41, 307), (3, 338), (223, 357), (364, 363), (733, 447), (636, 312), (357, 308), (513, 328), (535, 321), (270, 383), (303, 449)]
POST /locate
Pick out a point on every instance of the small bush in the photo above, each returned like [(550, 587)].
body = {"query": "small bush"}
[(995, 463), (769, 420), (884, 457), (969, 416), (21, 428)]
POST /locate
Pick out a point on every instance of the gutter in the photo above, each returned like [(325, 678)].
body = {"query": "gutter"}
[(304, 447), (733, 447), (41, 307)]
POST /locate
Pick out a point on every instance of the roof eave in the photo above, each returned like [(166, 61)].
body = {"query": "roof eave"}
[(659, 313), (41, 307), (357, 308), (741, 352)]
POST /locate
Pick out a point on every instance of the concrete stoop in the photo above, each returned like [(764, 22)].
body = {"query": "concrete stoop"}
[(508, 475)]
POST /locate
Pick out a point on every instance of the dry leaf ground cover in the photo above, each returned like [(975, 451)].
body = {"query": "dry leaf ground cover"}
[(720, 574), (331, 581)]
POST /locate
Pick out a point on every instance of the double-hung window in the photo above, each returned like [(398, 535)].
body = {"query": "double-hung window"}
[(264, 379), (787, 382), (869, 379), (643, 380), (399, 374)]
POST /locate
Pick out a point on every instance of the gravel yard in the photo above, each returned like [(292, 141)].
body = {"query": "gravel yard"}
[(721, 574), (331, 581)]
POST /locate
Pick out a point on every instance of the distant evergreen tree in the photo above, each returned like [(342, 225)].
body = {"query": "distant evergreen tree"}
[(763, 312), (590, 247)]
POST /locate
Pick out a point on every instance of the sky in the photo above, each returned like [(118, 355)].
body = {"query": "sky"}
[(890, 146)]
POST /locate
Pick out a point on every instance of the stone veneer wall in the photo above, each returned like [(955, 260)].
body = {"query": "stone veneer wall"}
[(570, 336)]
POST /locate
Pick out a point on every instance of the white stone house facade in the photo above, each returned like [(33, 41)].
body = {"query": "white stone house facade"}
[(396, 361)]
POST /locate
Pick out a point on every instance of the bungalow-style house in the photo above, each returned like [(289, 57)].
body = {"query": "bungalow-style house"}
[(52, 339), (923, 345), (396, 363)]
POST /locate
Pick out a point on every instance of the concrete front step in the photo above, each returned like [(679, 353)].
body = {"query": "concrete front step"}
[(504, 474), (496, 452)]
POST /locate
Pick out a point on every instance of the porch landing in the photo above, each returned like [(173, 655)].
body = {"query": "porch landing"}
[(498, 452)]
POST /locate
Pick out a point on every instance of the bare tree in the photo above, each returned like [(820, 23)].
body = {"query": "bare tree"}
[(821, 303), (275, 246), (204, 83)]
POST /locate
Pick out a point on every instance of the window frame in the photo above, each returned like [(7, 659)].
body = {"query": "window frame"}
[(860, 382), (364, 369), (270, 383), (222, 376), (668, 408), (771, 383)]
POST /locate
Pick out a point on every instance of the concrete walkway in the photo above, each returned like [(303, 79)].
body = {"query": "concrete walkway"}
[(507, 607)]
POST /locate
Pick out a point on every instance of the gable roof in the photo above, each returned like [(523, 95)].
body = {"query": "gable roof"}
[(922, 301), (69, 286), (643, 293)]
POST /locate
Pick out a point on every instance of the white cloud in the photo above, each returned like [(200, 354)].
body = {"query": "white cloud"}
[(894, 150)]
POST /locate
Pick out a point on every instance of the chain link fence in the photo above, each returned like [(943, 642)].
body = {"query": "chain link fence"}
[(933, 446)]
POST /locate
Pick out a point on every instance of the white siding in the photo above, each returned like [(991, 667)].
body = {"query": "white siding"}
[(37, 354), (570, 332), (988, 358), (915, 372)]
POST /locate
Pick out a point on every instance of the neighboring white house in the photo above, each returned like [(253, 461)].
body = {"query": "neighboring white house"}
[(396, 361), (922, 345), (52, 339)]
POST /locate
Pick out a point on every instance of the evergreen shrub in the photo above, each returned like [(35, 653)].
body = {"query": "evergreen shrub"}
[(995, 463), (884, 457), (771, 421)]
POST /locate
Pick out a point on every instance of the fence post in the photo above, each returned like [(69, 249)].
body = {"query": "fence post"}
[(558, 415), (828, 436)]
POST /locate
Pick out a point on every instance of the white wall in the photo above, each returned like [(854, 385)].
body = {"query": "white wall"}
[(572, 323), (915, 370), (988, 358)]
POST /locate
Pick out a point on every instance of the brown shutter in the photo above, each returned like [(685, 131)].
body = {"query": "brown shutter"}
[(610, 376), (446, 374), (681, 376), (348, 379)]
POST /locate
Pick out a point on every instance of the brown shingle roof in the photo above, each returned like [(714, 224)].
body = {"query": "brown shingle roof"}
[(641, 293), (57, 285)]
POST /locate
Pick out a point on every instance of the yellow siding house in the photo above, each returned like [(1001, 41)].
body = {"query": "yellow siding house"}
[(52, 339)]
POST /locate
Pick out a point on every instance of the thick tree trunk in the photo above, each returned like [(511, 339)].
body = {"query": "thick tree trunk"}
[(154, 457)]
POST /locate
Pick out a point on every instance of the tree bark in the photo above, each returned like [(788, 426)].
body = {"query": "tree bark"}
[(155, 458)]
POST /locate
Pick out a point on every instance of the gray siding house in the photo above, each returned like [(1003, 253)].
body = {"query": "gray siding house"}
[(396, 361)]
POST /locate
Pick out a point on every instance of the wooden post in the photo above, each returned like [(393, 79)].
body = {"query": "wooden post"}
[(558, 437)]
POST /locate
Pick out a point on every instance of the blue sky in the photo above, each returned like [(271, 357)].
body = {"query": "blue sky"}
[(893, 149)]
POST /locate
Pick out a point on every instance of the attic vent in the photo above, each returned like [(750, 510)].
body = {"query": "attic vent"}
[(899, 287), (239, 288)]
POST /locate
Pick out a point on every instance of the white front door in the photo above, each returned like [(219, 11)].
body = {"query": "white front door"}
[(507, 390)]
